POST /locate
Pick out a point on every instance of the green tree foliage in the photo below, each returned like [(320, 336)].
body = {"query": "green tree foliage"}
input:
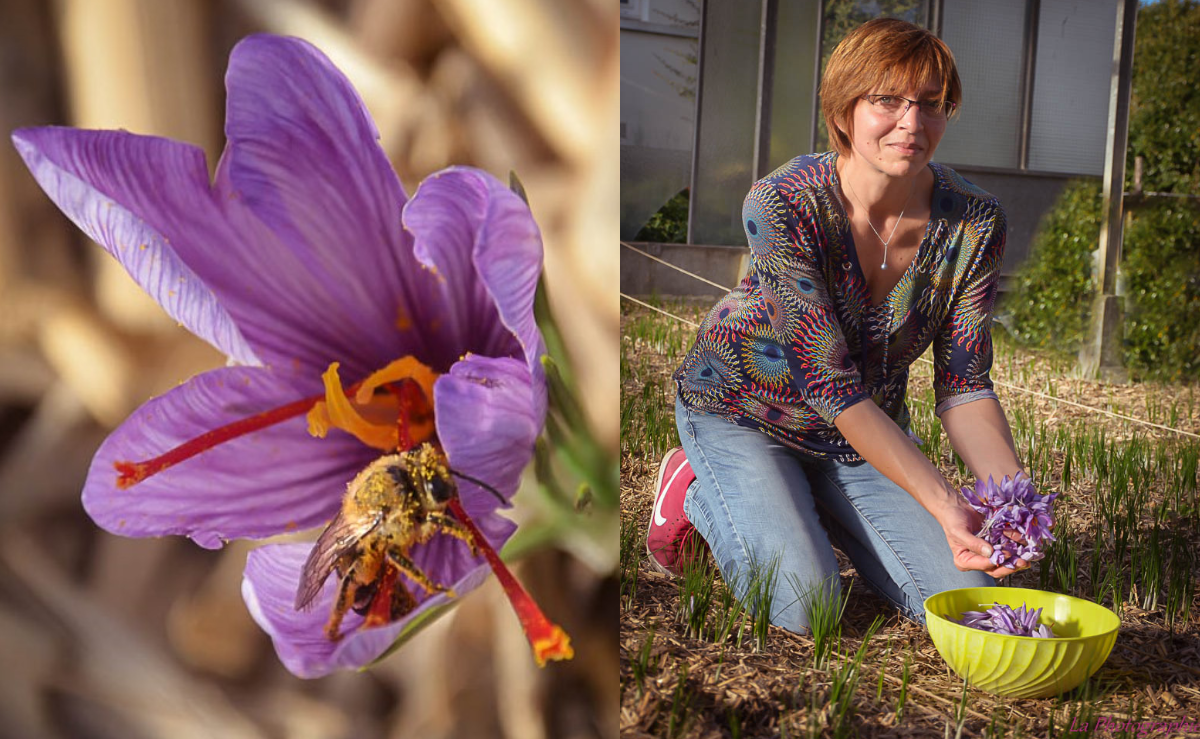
[(1162, 242), (1051, 297), (669, 224), (1164, 114), (1161, 250), (1162, 290)]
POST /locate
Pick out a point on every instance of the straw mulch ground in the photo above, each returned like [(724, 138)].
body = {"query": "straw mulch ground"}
[(1152, 674)]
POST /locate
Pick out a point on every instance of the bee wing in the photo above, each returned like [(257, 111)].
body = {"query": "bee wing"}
[(338, 538)]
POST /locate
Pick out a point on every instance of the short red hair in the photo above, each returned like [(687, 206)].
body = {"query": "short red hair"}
[(885, 55)]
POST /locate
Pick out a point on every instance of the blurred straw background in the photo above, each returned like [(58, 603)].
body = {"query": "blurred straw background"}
[(108, 637)]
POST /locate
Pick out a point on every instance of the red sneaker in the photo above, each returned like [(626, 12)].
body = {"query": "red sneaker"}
[(669, 528)]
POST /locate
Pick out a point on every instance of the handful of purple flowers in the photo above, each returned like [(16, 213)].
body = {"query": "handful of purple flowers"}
[(1005, 620), (1013, 504)]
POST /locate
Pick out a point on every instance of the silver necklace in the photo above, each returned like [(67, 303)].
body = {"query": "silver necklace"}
[(868, 215)]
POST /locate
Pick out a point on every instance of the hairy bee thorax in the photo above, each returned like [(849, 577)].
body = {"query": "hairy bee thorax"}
[(415, 480), (426, 463)]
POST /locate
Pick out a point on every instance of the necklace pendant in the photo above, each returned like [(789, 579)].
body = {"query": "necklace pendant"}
[(883, 266)]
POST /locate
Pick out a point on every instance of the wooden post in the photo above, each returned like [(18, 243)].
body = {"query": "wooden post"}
[(1101, 355)]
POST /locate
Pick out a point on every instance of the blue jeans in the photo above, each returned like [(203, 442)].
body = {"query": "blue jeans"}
[(760, 504)]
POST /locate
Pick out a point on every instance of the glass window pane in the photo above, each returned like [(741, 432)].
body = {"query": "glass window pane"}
[(1072, 85), (792, 81), (658, 107), (725, 146), (987, 39)]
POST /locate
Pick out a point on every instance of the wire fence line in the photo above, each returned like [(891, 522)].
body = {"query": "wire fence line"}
[(647, 255), (1000, 383), (660, 310)]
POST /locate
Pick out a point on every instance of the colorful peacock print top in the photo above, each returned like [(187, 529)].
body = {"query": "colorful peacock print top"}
[(797, 341)]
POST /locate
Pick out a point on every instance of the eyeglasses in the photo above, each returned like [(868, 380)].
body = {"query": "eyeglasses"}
[(894, 106)]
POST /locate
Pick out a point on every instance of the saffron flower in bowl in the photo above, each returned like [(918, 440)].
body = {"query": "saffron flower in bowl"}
[(1015, 664), (1002, 619), (364, 331)]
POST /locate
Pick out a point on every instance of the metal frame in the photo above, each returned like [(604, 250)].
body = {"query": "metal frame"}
[(1033, 12), (698, 122), (1118, 139), (988, 169), (816, 88), (659, 29), (765, 93), (635, 11)]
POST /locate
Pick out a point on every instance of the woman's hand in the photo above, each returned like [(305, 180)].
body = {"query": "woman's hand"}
[(960, 522)]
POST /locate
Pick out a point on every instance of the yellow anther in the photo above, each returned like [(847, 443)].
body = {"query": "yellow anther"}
[(372, 419), (401, 369)]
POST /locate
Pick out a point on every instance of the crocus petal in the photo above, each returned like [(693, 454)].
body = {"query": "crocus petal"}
[(273, 574), (974, 499), (487, 421), (274, 480), (201, 243), (303, 155), (107, 182), (481, 239)]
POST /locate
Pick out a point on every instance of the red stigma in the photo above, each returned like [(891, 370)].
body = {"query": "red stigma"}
[(131, 473), (547, 639)]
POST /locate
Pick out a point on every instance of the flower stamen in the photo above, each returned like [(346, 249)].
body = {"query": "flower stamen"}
[(371, 417), (548, 640)]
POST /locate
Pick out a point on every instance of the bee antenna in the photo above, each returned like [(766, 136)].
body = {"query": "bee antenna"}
[(481, 484)]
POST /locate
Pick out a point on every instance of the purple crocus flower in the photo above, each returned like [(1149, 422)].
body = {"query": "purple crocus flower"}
[(1013, 505), (305, 262), (1001, 619)]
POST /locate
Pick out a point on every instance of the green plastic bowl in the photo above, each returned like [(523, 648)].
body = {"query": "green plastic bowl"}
[(1022, 666)]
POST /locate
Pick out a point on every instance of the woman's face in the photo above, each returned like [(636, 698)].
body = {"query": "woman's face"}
[(897, 146)]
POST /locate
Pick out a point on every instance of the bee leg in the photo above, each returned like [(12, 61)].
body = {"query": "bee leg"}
[(451, 526), (416, 575), (384, 594), (403, 601), (344, 600)]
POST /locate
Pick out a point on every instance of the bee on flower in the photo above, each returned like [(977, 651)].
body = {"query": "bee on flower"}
[(305, 262)]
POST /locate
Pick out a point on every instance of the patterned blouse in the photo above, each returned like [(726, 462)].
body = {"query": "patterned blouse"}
[(797, 341)]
